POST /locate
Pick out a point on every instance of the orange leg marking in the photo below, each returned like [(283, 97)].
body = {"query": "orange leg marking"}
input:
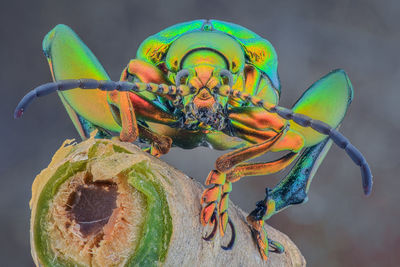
[(229, 169), (256, 169), (124, 112), (226, 162), (129, 132), (216, 198)]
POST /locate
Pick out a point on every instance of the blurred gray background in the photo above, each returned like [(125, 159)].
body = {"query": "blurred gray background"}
[(338, 226)]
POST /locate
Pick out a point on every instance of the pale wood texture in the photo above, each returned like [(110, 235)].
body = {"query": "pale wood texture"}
[(187, 247)]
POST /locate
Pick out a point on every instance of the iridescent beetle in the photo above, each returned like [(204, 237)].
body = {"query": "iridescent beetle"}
[(207, 83)]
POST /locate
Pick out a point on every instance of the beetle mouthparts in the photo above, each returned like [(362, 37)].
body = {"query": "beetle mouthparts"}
[(210, 115)]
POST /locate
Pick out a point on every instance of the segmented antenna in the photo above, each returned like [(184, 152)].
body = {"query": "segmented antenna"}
[(91, 84)]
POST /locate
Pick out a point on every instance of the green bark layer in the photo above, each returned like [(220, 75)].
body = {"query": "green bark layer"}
[(155, 232)]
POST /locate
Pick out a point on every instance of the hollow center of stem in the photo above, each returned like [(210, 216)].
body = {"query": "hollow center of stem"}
[(92, 205), (96, 217)]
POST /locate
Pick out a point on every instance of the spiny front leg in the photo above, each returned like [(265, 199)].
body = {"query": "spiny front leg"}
[(292, 142), (124, 112), (255, 219), (216, 198)]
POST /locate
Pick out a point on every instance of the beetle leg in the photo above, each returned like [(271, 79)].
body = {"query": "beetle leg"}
[(290, 191), (139, 70), (264, 244), (229, 160), (144, 72), (251, 169), (216, 198), (260, 235), (160, 144), (125, 114), (215, 211), (248, 124), (256, 169)]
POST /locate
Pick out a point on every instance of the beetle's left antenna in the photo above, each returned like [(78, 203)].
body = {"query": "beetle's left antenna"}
[(305, 121)]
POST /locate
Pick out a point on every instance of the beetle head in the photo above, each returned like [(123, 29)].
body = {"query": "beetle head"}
[(204, 60), (204, 71)]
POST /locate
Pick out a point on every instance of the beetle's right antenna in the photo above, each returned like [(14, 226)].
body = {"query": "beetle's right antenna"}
[(90, 84)]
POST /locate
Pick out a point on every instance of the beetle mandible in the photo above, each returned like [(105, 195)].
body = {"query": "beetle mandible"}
[(207, 83)]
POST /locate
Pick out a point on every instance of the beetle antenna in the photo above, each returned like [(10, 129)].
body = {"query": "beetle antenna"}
[(181, 74), (317, 125), (226, 73), (64, 85)]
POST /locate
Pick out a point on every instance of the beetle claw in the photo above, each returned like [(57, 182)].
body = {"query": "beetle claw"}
[(207, 214), (264, 244), (233, 238), (215, 210), (214, 221), (276, 246)]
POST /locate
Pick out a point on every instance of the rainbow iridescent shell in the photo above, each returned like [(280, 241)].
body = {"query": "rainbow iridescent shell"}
[(258, 51)]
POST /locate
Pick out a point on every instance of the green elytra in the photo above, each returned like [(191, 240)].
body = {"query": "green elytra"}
[(207, 83)]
